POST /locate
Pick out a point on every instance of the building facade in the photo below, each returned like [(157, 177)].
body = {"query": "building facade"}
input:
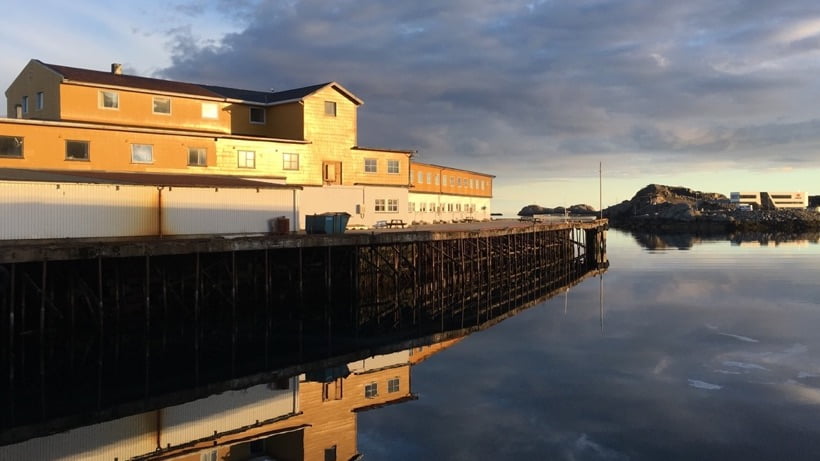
[(68, 119), (771, 200)]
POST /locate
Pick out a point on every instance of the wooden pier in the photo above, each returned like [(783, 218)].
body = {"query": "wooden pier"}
[(112, 327)]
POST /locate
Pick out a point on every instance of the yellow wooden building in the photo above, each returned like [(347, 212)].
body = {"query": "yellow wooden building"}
[(67, 118)]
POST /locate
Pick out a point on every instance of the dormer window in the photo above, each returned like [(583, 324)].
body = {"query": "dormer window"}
[(330, 108), (257, 115)]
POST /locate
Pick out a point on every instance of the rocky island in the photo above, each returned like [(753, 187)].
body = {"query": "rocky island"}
[(660, 208)]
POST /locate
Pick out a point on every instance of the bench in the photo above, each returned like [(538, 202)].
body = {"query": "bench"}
[(396, 223)]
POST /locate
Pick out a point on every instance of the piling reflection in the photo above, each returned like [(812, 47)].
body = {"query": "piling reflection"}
[(236, 355)]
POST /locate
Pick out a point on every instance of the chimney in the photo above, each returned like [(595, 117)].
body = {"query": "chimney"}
[(116, 68)]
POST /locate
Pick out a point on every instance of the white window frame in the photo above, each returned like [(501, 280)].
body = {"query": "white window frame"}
[(257, 110), (392, 166), (78, 142), (246, 159), (201, 156), (210, 111), (113, 97), (392, 205), (138, 151), (380, 205), (161, 100), (290, 161), (40, 100), (420, 177), (393, 385), (24, 104), (371, 165)]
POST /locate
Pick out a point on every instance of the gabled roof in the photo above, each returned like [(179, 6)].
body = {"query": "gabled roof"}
[(97, 77)]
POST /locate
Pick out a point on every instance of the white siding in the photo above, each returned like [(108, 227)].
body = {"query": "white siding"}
[(36, 210), (358, 201), (121, 439), (380, 361), (48, 210), (188, 210), (448, 207), (227, 411)]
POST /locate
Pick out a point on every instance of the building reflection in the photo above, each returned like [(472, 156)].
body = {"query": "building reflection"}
[(312, 416)]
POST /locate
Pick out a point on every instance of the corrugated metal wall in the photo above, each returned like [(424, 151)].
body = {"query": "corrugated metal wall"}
[(36, 210), (47, 210), (188, 210), (224, 412), (317, 200), (119, 439)]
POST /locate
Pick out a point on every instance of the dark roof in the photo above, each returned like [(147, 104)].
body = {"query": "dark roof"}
[(194, 89), (265, 97), (138, 179), (131, 81)]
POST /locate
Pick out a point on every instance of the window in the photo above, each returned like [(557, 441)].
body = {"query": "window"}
[(246, 158), (290, 161), (411, 207), (420, 178), (393, 385), (162, 105), (210, 455), (393, 166), (333, 390), (437, 180), (380, 205), (25, 104), (330, 108), (370, 165), (371, 390), (257, 115), (444, 180), (40, 100), (109, 100), (452, 180), (330, 453), (11, 146), (210, 110), (423, 207), (393, 205), (197, 156), (142, 153), (432, 207), (76, 150)]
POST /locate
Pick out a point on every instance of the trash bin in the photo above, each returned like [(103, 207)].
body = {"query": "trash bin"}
[(326, 223)]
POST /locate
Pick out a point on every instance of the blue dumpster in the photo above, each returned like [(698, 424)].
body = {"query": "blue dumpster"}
[(326, 223)]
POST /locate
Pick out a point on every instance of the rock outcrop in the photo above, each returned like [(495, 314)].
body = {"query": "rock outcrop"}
[(670, 208)]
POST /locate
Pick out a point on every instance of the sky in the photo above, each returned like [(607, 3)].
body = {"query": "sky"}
[(547, 95)]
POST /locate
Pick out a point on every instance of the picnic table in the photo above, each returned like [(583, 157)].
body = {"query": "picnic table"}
[(396, 223)]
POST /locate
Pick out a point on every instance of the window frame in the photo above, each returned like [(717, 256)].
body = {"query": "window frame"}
[(380, 205), (392, 205), (371, 390), (87, 144), (242, 159), (115, 98), (392, 165), (203, 157), (393, 385), (24, 104), (258, 110), (330, 109), (19, 142), (39, 100), (288, 161), (135, 154), (156, 99), (371, 165)]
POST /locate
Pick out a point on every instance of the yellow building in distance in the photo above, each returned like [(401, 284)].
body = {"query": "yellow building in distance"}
[(71, 119)]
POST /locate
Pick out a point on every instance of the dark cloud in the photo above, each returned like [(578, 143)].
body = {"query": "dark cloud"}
[(463, 81)]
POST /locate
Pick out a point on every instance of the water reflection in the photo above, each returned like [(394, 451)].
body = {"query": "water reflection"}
[(685, 241)]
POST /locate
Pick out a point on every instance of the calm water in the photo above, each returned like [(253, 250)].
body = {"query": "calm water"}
[(710, 352)]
